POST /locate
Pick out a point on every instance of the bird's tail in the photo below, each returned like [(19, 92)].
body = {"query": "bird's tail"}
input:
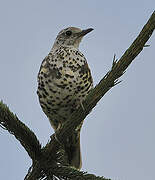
[(72, 148)]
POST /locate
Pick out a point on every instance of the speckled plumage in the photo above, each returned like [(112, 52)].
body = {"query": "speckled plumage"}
[(64, 81)]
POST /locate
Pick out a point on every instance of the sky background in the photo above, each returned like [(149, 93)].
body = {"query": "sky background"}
[(117, 138)]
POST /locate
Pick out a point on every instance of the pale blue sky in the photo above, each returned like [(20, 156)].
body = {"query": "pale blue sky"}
[(117, 139)]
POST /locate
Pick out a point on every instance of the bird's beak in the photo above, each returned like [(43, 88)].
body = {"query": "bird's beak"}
[(85, 31)]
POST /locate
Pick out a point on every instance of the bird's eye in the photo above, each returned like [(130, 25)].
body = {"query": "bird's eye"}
[(68, 33)]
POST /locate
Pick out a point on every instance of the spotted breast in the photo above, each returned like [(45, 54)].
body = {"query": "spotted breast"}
[(64, 81)]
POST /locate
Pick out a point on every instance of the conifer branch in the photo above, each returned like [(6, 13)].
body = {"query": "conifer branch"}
[(23, 134), (45, 165)]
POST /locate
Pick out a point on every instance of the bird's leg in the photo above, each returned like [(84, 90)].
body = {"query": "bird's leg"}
[(53, 136), (78, 104), (82, 105)]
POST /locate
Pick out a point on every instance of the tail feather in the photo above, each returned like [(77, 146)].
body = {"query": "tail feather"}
[(72, 148)]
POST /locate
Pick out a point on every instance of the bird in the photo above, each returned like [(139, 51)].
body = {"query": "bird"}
[(64, 81)]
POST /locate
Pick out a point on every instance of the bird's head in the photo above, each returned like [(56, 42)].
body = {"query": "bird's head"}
[(71, 36)]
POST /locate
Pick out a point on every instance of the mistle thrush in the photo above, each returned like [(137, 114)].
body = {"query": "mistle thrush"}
[(64, 81)]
